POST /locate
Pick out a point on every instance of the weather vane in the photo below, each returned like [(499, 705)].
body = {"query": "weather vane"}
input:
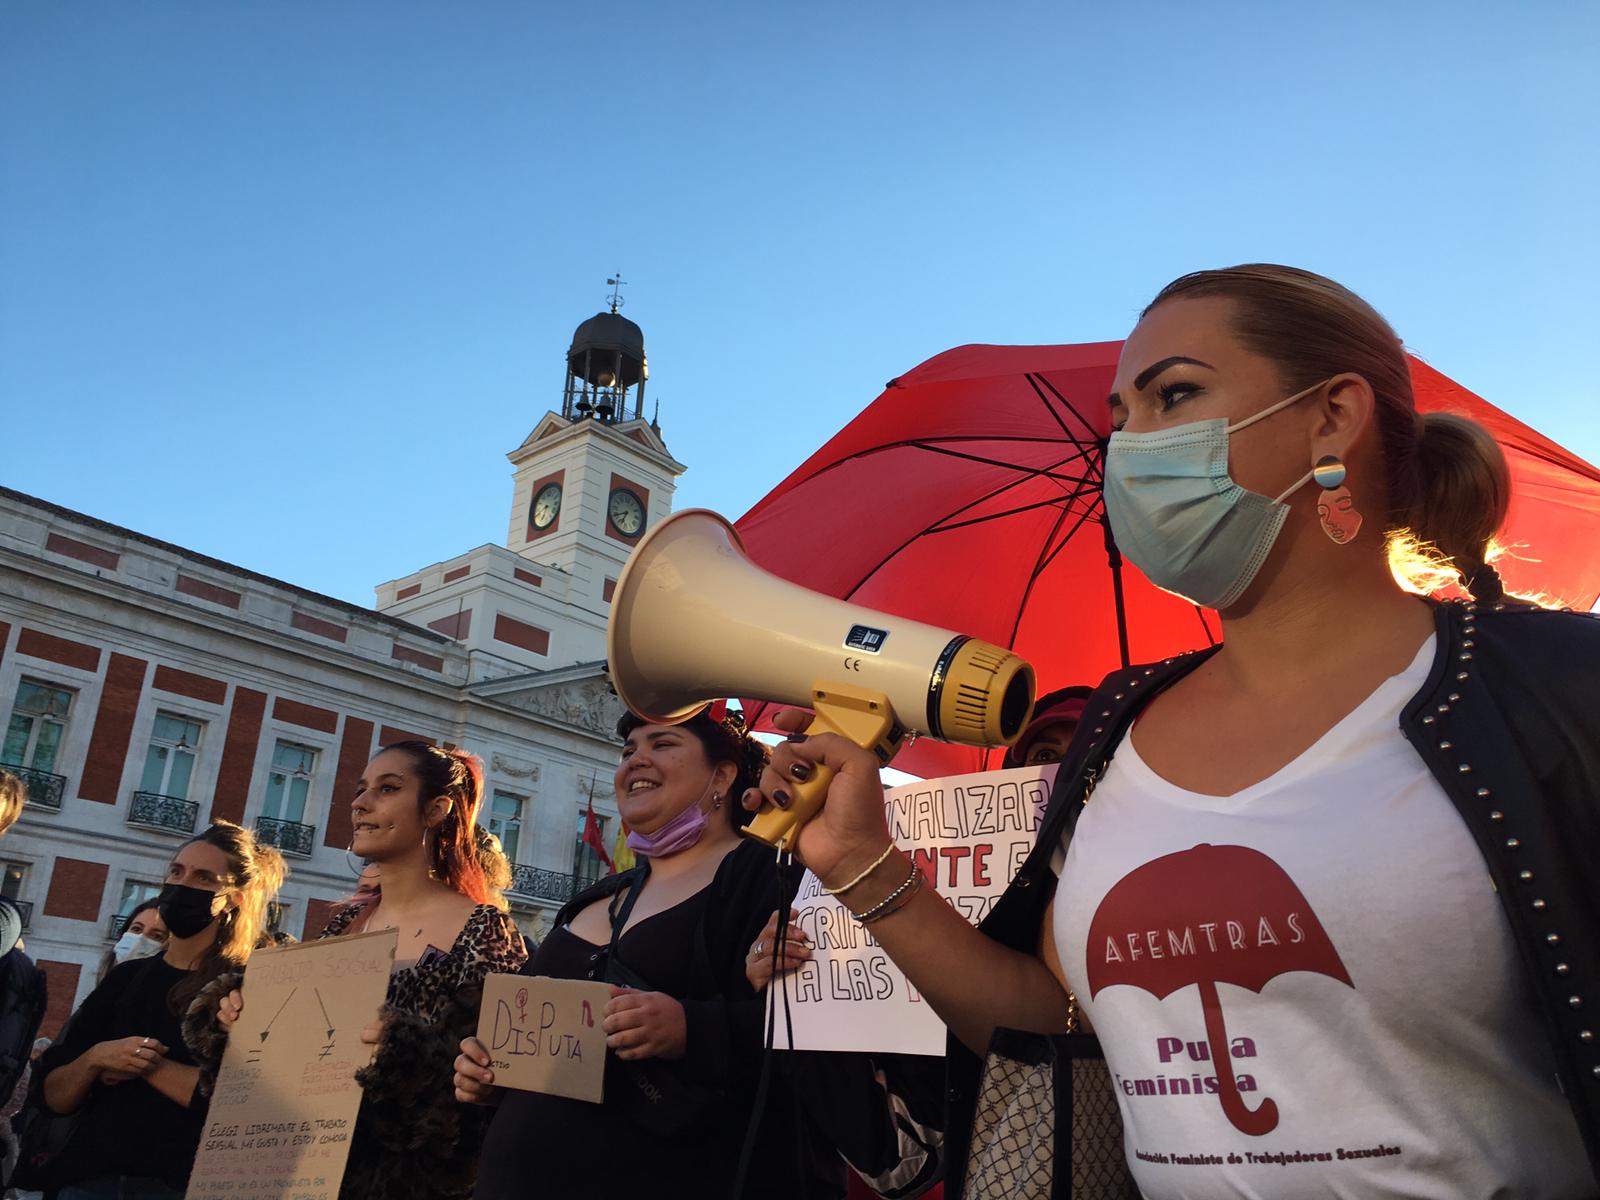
[(616, 281)]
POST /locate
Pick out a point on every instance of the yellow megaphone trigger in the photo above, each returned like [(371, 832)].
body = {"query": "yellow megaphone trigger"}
[(858, 714)]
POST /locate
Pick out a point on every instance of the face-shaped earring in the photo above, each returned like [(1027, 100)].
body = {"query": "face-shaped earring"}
[(1336, 509)]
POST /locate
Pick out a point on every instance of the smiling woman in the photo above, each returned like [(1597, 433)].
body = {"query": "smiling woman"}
[(683, 1025), (414, 818)]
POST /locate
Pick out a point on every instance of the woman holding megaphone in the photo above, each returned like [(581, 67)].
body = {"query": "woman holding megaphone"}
[(1323, 891)]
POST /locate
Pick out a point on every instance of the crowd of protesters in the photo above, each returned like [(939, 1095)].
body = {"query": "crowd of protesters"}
[(1263, 416)]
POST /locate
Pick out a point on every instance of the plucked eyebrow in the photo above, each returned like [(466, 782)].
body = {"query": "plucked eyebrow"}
[(362, 782), (1143, 378)]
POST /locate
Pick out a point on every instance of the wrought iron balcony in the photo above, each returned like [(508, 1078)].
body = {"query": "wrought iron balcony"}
[(537, 883), (114, 926), (44, 789), (24, 907), (156, 811), (289, 836)]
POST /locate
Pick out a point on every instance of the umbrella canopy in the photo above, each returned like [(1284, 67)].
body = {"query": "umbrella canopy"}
[(968, 496)]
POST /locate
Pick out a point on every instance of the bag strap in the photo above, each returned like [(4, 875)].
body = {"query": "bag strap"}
[(621, 908)]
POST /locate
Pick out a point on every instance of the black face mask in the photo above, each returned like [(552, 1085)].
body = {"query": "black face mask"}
[(186, 910)]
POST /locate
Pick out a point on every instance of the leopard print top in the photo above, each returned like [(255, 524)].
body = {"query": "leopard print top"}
[(489, 943)]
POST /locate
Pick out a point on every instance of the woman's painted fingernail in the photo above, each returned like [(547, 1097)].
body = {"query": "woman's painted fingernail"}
[(796, 737), (780, 798)]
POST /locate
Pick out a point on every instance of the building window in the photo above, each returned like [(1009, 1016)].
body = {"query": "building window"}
[(169, 764), (505, 822), (11, 881), (134, 893), (587, 865), (38, 726), (289, 782)]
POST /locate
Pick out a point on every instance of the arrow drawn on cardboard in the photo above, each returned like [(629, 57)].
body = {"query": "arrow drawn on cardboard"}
[(279, 1013), (326, 1020)]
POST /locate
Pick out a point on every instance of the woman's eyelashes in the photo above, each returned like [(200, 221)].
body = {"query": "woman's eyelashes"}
[(1174, 393), (1168, 396)]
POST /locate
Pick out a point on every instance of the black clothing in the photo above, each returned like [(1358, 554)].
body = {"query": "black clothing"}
[(542, 1146), (129, 1128), (1508, 723)]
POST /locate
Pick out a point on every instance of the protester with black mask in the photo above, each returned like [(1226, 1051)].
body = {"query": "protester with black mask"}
[(122, 1063)]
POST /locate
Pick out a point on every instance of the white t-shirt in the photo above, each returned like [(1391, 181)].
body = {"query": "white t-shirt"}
[(1332, 931)]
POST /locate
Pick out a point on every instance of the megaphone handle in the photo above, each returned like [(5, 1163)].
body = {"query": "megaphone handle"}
[(858, 714)]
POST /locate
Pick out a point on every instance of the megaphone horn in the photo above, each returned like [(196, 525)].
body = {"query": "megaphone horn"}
[(693, 620)]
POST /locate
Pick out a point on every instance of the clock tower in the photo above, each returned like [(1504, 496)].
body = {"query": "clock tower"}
[(589, 480)]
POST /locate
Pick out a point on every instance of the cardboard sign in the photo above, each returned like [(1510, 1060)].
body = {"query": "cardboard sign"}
[(286, 1098), (969, 834), (544, 1035)]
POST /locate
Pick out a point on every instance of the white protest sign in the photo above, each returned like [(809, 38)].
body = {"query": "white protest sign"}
[(969, 834), (544, 1035), (286, 1098)]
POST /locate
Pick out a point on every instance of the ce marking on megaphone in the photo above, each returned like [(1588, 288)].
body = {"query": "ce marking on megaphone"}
[(852, 664)]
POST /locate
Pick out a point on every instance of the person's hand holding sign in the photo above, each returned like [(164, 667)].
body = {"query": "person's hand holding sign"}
[(230, 1009), (474, 1079), (644, 1024), (762, 964)]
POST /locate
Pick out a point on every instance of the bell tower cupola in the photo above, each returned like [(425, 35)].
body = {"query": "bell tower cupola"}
[(606, 367)]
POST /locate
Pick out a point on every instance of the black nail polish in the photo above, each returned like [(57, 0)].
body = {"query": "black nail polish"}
[(796, 737), (780, 798)]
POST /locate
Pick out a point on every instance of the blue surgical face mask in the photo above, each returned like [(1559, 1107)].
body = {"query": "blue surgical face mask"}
[(135, 945), (1180, 518)]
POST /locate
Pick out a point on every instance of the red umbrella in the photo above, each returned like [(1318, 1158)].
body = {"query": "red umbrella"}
[(968, 496), (1210, 915)]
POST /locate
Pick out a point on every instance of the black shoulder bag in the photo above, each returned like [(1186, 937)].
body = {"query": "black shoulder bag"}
[(655, 1093)]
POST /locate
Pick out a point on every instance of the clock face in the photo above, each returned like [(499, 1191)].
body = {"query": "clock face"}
[(546, 505), (626, 511)]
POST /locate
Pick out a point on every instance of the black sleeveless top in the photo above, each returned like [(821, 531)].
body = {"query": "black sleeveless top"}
[(552, 1147)]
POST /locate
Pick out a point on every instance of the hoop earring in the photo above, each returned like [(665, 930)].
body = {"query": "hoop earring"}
[(1336, 509)]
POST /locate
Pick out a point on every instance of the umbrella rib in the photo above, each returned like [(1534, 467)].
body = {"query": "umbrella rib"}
[(1062, 501), (1034, 382), (1039, 567), (934, 527), (929, 445), (1046, 559), (1079, 484), (1070, 407), (1028, 472)]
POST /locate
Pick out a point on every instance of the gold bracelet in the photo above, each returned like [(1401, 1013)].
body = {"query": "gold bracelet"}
[(876, 863), (881, 908)]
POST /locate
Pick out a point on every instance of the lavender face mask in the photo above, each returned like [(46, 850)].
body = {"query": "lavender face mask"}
[(683, 831)]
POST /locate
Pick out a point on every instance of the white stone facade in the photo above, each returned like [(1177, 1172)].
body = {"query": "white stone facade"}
[(129, 628)]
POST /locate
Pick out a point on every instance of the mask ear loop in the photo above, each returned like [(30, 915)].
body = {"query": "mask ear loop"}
[(1267, 412), (1278, 407)]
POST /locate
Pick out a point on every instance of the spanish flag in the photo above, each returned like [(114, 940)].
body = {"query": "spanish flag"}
[(622, 858)]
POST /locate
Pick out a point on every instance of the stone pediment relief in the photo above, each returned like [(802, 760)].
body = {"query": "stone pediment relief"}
[(586, 704), (511, 767)]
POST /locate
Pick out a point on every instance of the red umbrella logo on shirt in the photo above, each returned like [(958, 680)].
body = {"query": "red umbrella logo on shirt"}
[(1209, 915)]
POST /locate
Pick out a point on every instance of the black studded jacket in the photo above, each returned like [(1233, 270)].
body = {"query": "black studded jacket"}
[(1509, 724)]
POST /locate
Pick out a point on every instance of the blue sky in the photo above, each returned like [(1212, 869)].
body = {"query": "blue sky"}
[(282, 282)]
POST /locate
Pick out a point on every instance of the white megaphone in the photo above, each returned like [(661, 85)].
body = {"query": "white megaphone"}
[(694, 620)]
